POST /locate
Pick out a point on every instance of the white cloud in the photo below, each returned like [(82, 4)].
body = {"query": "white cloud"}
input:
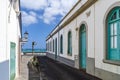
[(51, 9), (29, 18), (55, 8), (34, 4)]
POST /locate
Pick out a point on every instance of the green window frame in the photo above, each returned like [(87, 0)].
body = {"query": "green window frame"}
[(61, 44), (113, 34), (70, 43)]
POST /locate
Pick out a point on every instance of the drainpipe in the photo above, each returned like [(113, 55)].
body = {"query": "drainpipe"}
[(94, 39)]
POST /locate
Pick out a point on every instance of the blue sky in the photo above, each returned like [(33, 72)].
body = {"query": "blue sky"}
[(39, 17)]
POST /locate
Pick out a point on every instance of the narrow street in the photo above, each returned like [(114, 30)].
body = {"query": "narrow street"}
[(51, 70), (54, 70)]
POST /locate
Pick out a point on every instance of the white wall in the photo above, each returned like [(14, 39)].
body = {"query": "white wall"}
[(9, 32), (13, 35), (4, 60), (99, 35)]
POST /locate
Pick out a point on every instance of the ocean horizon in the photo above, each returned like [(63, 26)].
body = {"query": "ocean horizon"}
[(35, 50)]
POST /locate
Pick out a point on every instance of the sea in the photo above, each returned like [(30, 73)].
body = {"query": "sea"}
[(35, 50)]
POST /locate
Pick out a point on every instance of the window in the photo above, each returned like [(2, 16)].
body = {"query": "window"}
[(69, 43), (56, 47), (113, 29), (50, 45), (53, 45), (114, 16), (46, 46), (61, 44)]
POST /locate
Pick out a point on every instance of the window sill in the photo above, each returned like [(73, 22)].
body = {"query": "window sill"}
[(112, 62), (69, 54)]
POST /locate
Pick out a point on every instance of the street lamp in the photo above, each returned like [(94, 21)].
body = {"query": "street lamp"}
[(33, 44)]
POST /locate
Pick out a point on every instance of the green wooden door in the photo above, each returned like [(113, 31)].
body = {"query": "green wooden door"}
[(82, 47), (12, 60)]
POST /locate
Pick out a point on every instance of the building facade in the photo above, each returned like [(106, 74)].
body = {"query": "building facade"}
[(87, 38), (10, 33)]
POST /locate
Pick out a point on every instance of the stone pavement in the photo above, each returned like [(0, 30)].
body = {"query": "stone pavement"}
[(24, 74)]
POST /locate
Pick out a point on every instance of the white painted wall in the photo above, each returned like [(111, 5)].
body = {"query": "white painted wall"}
[(4, 59), (9, 32), (99, 35)]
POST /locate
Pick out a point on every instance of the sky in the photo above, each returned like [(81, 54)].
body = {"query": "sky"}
[(40, 17)]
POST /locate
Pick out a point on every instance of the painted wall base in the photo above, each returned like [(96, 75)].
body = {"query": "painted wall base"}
[(105, 75), (66, 61), (62, 60), (90, 66), (50, 55)]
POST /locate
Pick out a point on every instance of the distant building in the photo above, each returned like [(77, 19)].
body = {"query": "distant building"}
[(10, 34), (88, 38)]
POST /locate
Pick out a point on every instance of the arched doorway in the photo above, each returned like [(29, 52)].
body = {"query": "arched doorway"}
[(82, 47)]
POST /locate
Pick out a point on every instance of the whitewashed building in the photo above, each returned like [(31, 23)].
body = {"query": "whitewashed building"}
[(88, 38), (10, 34)]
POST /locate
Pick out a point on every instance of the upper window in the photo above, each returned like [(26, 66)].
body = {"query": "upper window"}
[(114, 16), (61, 44), (69, 43), (113, 30)]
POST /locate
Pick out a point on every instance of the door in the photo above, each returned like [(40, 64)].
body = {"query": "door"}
[(82, 47), (56, 48), (12, 60)]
